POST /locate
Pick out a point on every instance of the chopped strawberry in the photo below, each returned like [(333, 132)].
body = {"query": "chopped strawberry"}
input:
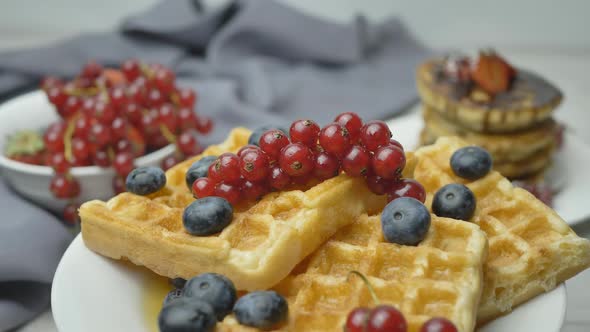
[(492, 73)]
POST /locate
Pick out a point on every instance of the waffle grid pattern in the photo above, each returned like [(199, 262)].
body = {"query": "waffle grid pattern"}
[(439, 278), (531, 249), (257, 250)]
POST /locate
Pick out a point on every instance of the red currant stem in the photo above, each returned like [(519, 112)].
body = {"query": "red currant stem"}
[(168, 134), (80, 92), (102, 90), (146, 70), (175, 99), (111, 153), (68, 139), (367, 283)]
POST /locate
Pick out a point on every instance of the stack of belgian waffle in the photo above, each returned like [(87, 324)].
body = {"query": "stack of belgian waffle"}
[(489, 103)]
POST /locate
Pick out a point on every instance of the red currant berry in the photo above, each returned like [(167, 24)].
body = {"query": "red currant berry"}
[(157, 141), (247, 148), (72, 105), (64, 186), (99, 134), (87, 108), (230, 192), (164, 80), (57, 96), (104, 112), (131, 69), (226, 168), (186, 119), (136, 93), (133, 113), (355, 322), (53, 139), (335, 139), (438, 324), (70, 214), (80, 149), (187, 143), (149, 126), (278, 179), (123, 163), (186, 98), (272, 141), (386, 318), (253, 191), (119, 128), (378, 185), (119, 184), (154, 98), (406, 188), (296, 159), (169, 162), (203, 187), (82, 127), (305, 132), (117, 97), (204, 124), (356, 161), (101, 158), (352, 122), (58, 162), (394, 142), (254, 165), (326, 166), (167, 117), (388, 162), (375, 134), (91, 69), (123, 145)]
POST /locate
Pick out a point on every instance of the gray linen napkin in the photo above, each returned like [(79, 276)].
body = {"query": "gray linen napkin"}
[(252, 62)]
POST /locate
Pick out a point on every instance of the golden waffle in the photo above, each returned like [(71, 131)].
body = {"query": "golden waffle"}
[(509, 147), (530, 101), (257, 250), (530, 166), (531, 249), (441, 277)]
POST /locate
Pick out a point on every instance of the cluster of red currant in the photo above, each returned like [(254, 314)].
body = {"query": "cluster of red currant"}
[(109, 117), (385, 318), (361, 150)]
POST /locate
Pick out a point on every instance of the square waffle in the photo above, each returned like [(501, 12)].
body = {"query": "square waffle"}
[(531, 249), (263, 243), (441, 277)]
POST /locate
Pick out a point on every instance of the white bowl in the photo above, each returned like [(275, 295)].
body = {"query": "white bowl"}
[(33, 111)]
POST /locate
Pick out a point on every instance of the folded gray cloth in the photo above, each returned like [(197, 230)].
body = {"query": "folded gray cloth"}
[(252, 62)]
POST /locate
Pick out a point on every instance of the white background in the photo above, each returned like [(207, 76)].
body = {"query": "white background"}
[(551, 37)]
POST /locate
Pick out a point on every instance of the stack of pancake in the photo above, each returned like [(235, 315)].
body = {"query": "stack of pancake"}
[(514, 125)]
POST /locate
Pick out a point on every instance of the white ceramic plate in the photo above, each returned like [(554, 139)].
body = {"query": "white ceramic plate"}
[(569, 171), (92, 293)]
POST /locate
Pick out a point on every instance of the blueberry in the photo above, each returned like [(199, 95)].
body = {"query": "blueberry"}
[(215, 289), (187, 316), (405, 220), (471, 162), (263, 309), (198, 170), (454, 201), (256, 133), (145, 180), (178, 283), (173, 295), (206, 216)]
